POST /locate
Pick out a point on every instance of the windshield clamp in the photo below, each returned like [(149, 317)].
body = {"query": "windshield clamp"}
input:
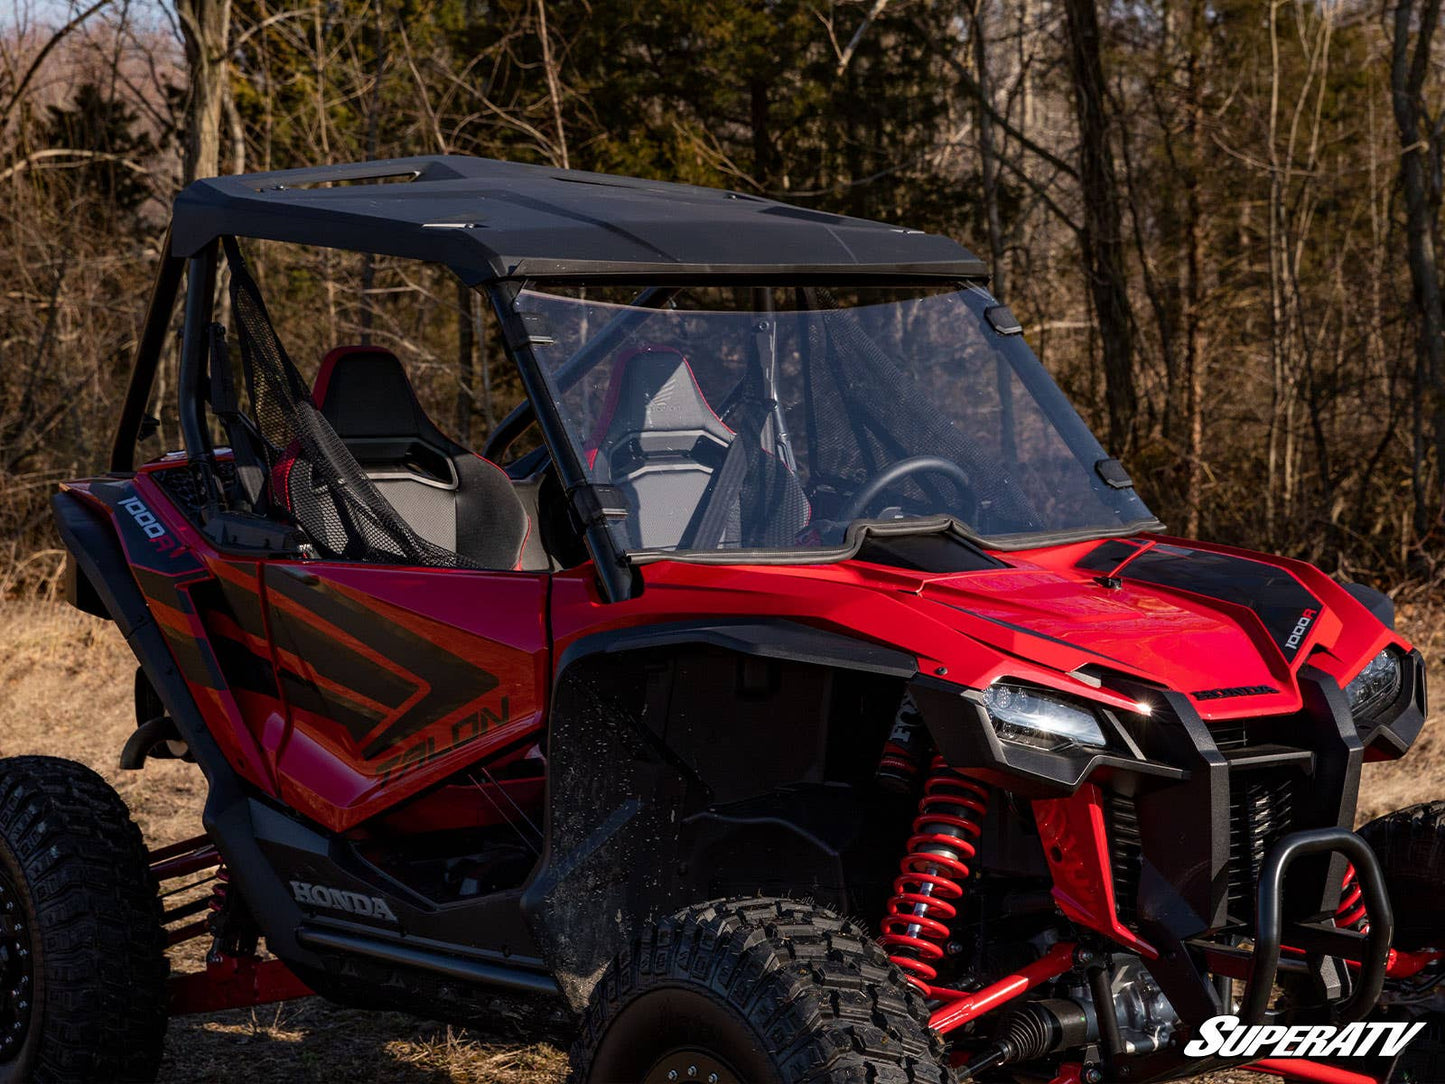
[(596, 505)]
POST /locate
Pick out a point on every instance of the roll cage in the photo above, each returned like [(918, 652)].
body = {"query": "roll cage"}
[(561, 228)]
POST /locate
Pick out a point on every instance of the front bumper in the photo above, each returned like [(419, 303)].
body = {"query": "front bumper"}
[(1205, 820), (1371, 950)]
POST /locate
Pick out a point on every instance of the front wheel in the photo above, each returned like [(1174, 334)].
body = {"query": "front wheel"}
[(82, 950), (1410, 844), (755, 990)]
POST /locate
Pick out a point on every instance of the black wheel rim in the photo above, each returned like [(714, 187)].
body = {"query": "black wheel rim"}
[(690, 1066), (17, 969)]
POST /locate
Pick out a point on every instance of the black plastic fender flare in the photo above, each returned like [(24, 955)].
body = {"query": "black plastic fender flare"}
[(97, 552), (615, 790)]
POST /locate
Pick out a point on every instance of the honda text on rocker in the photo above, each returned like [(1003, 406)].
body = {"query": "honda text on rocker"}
[(792, 686)]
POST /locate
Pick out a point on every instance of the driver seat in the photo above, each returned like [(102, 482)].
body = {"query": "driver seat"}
[(658, 441), (445, 493)]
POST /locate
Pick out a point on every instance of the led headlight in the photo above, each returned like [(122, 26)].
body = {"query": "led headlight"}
[(1376, 687), (1029, 716)]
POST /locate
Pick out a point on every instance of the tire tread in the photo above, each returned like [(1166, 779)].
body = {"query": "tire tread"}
[(102, 945), (1410, 844), (814, 987)]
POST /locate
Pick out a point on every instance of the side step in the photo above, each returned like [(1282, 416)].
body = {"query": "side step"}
[(494, 975)]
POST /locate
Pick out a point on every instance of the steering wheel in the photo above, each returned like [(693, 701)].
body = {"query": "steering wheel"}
[(895, 473)]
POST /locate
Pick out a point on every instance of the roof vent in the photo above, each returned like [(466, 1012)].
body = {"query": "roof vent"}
[(348, 182)]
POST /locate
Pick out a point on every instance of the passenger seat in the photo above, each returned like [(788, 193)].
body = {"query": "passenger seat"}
[(446, 493)]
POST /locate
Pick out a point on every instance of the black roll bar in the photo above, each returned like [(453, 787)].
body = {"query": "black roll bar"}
[(590, 507), (147, 358), (200, 298)]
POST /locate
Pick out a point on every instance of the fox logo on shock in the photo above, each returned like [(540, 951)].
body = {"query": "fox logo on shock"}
[(338, 899), (1225, 1037), (1302, 626), (144, 518)]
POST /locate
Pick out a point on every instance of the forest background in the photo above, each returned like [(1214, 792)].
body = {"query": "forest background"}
[(1219, 221)]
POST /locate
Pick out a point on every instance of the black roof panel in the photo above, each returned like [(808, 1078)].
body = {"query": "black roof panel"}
[(490, 220)]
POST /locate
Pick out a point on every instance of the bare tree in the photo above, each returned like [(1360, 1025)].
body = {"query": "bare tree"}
[(1420, 166), (206, 28), (987, 153), (1101, 233)]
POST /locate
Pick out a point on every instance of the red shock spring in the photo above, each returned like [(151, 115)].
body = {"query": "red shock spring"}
[(1351, 912), (915, 927), (218, 889)]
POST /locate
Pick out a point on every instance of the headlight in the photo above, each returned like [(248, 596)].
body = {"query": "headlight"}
[(1376, 687), (1023, 714)]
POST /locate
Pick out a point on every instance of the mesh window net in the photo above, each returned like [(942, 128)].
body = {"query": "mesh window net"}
[(311, 472)]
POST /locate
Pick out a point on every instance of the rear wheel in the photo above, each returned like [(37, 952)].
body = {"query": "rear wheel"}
[(755, 990), (1410, 844), (82, 951)]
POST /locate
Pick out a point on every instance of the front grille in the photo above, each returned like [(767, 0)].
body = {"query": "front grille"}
[(1262, 808), (1230, 735)]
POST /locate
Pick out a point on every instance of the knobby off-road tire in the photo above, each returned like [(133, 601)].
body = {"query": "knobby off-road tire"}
[(1410, 844), (82, 951), (756, 990)]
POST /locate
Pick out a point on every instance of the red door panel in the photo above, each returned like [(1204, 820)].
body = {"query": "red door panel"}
[(396, 678)]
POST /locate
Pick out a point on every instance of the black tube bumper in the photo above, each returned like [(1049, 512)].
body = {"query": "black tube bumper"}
[(1371, 950)]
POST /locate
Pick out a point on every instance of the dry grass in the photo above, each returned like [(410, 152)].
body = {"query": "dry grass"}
[(65, 683)]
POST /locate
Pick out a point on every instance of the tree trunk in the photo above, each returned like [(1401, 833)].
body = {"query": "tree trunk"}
[(761, 131), (1101, 233), (987, 155), (205, 25), (1194, 359), (1422, 215), (373, 127)]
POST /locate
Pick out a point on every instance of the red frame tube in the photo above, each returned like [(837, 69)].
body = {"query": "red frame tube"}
[(1406, 965), (966, 1007), (1399, 964), (234, 982), (1304, 1069), (180, 859)]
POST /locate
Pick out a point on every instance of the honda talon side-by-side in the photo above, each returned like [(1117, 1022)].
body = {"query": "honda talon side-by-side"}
[(792, 686)]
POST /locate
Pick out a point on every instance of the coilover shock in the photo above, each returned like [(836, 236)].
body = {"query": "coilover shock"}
[(903, 752), (233, 931), (219, 889), (933, 872), (1351, 912)]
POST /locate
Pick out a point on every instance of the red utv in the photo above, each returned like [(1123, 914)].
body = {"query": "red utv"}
[(816, 701)]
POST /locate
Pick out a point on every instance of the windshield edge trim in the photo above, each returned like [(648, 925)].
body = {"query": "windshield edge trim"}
[(850, 548)]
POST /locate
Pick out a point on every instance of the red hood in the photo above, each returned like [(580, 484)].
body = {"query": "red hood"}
[(1188, 643), (1226, 627)]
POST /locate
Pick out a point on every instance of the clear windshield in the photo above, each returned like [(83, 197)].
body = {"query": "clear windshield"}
[(775, 430)]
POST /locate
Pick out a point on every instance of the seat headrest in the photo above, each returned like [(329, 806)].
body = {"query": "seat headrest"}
[(653, 390), (363, 391)]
